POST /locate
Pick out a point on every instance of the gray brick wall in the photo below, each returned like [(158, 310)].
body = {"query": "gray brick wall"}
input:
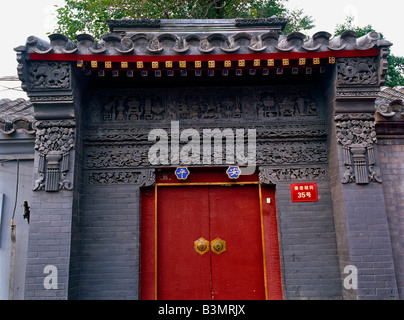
[(391, 157), (369, 241), (109, 252), (309, 255)]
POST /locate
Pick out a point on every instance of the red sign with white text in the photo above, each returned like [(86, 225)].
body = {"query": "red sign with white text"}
[(304, 192)]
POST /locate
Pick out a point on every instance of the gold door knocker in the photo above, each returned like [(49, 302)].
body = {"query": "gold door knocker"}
[(218, 246), (201, 246)]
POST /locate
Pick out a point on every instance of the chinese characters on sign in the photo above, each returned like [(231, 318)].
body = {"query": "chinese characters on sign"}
[(233, 172), (304, 192)]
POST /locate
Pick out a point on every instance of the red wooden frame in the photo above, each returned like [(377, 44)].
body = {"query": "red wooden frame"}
[(214, 176)]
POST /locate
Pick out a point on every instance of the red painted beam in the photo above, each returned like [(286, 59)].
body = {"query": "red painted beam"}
[(213, 57)]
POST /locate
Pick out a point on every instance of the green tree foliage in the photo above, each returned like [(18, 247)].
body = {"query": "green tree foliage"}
[(78, 16), (349, 25), (395, 71)]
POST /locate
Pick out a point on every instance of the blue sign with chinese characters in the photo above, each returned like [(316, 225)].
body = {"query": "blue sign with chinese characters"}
[(233, 172), (182, 173)]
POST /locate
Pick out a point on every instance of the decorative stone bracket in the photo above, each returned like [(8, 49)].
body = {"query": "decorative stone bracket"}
[(356, 133), (54, 141)]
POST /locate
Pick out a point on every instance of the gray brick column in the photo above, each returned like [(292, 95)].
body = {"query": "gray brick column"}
[(361, 224), (49, 243), (50, 87), (52, 209)]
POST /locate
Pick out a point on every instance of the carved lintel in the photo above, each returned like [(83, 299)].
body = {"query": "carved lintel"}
[(261, 104), (272, 175), (141, 177)]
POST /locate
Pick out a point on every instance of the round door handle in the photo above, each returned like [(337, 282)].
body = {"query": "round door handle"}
[(218, 246), (201, 246)]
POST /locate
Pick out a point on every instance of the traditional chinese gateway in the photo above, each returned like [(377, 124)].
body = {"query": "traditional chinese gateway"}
[(116, 226)]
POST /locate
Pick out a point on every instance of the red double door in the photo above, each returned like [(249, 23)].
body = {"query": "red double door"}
[(210, 244)]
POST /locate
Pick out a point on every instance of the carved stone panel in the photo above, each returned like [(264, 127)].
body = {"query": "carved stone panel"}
[(209, 104), (271, 175), (357, 71), (356, 133), (271, 153), (45, 76), (54, 141), (279, 153), (291, 133), (143, 178)]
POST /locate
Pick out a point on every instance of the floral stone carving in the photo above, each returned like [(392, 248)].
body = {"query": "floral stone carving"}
[(357, 135), (54, 140)]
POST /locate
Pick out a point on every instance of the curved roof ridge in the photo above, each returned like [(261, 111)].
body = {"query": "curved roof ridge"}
[(16, 115), (123, 40)]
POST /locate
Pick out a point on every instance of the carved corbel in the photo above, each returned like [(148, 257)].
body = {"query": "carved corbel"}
[(147, 178), (356, 133), (266, 176), (54, 141)]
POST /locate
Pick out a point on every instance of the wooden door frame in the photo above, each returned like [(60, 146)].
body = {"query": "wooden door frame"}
[(274, 269)]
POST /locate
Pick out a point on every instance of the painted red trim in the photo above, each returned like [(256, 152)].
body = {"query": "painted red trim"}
[(202, 175), (271, 242), (147, 247), (213, 57)]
